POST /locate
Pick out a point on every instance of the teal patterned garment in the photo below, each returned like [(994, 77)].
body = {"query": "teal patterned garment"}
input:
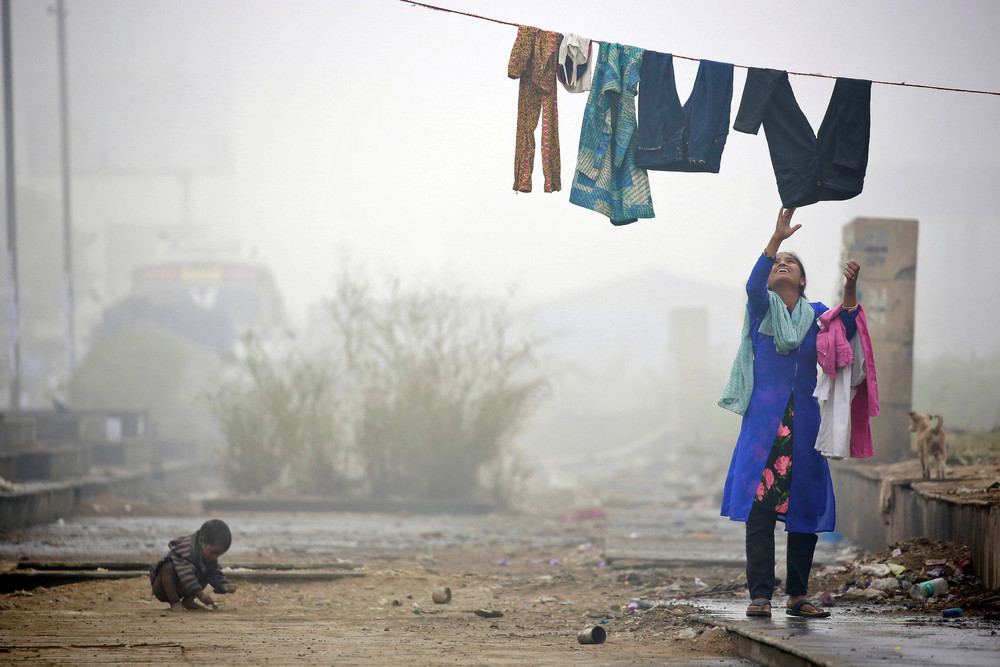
[(607, 180)]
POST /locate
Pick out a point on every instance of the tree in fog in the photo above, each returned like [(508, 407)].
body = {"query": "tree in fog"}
[(439, 385), (417, 393)]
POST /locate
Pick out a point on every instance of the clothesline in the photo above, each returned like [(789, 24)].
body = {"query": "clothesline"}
[(822, 76)]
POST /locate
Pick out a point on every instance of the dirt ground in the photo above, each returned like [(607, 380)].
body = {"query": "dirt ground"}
[(538, 598), (532, 598)]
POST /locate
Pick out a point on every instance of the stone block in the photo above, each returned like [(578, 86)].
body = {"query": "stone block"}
[(894, 369), (889, 308), (891, 432), (886, 248)]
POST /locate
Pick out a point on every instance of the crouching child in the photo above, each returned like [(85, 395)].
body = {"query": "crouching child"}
[(192, 563)]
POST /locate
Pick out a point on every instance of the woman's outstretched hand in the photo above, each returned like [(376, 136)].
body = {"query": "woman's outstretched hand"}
[(782, 230)]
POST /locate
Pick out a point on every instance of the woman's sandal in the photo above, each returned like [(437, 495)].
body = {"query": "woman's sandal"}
[(797, 610), (762, 608)]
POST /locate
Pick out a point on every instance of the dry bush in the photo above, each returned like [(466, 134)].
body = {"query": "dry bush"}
[(279, 418), (440, 383)]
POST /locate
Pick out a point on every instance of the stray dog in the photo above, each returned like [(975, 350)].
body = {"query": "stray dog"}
[(931, 443)]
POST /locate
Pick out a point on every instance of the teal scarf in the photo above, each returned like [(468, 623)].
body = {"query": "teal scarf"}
[(788, 330)]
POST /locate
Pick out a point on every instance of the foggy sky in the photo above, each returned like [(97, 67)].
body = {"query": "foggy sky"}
[(304, 125)]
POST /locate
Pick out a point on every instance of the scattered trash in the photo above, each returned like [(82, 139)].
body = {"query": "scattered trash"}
[(441, 595), (503, 562), (885, 584), (632, 606), (698, 582), (954, 612), (488, 613), (897, 552), (876, 570), (832, 538), (588, 514), (702, 535), (554, 562), (930, 562), (687, 633), (896, 568), (586, 546), (592, 635), (930, 588), (827, 599), (864, 594)]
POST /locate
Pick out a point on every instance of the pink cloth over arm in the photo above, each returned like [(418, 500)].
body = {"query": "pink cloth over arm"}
[(834, 351)]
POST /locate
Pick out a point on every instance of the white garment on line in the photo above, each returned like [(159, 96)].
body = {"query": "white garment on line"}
[(579, 51), (836, 394)]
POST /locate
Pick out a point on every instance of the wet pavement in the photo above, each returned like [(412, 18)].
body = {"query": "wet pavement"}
[(857, 639)]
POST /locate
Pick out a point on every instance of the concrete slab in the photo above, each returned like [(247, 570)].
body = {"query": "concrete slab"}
[(851, 639)]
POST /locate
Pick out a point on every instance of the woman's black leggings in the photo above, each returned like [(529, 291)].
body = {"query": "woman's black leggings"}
[(760, 556)]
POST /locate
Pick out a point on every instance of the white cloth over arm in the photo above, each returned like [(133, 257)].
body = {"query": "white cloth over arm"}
[(836, 394)]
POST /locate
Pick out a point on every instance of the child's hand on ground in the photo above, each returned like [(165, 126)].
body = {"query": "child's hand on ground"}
[(227, 588)]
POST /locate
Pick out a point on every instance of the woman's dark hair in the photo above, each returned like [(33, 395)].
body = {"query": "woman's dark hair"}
[(215, 531), (802, 270)]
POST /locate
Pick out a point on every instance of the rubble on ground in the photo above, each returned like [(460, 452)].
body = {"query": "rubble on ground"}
[(885, 579)]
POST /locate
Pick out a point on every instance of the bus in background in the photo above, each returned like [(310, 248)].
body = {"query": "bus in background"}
[(211, 302)]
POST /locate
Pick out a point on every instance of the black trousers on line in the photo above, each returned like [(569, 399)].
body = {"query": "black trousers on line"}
[(760, 556)]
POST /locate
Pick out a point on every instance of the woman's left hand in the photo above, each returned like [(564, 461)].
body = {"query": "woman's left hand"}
[(851, 272)]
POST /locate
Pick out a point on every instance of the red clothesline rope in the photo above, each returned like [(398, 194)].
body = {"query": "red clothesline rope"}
[(822, 76)]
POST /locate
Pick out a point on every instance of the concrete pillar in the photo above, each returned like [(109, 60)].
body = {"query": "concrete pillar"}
[(886, 248)]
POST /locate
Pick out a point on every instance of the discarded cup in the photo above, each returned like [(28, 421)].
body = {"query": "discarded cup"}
[(930, 588), (441, 595), (592, 635)]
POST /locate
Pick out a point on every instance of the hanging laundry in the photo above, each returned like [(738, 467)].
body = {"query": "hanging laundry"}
[(808, 167), (672, 137), (575, 69), (533, 61), (607, 179)]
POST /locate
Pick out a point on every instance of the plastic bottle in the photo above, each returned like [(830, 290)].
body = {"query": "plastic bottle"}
[(930, 588)]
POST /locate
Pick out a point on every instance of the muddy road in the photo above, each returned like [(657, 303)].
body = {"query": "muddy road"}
[(541, 575)]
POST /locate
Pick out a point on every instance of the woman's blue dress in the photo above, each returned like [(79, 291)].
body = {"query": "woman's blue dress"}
[(811, 507)]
